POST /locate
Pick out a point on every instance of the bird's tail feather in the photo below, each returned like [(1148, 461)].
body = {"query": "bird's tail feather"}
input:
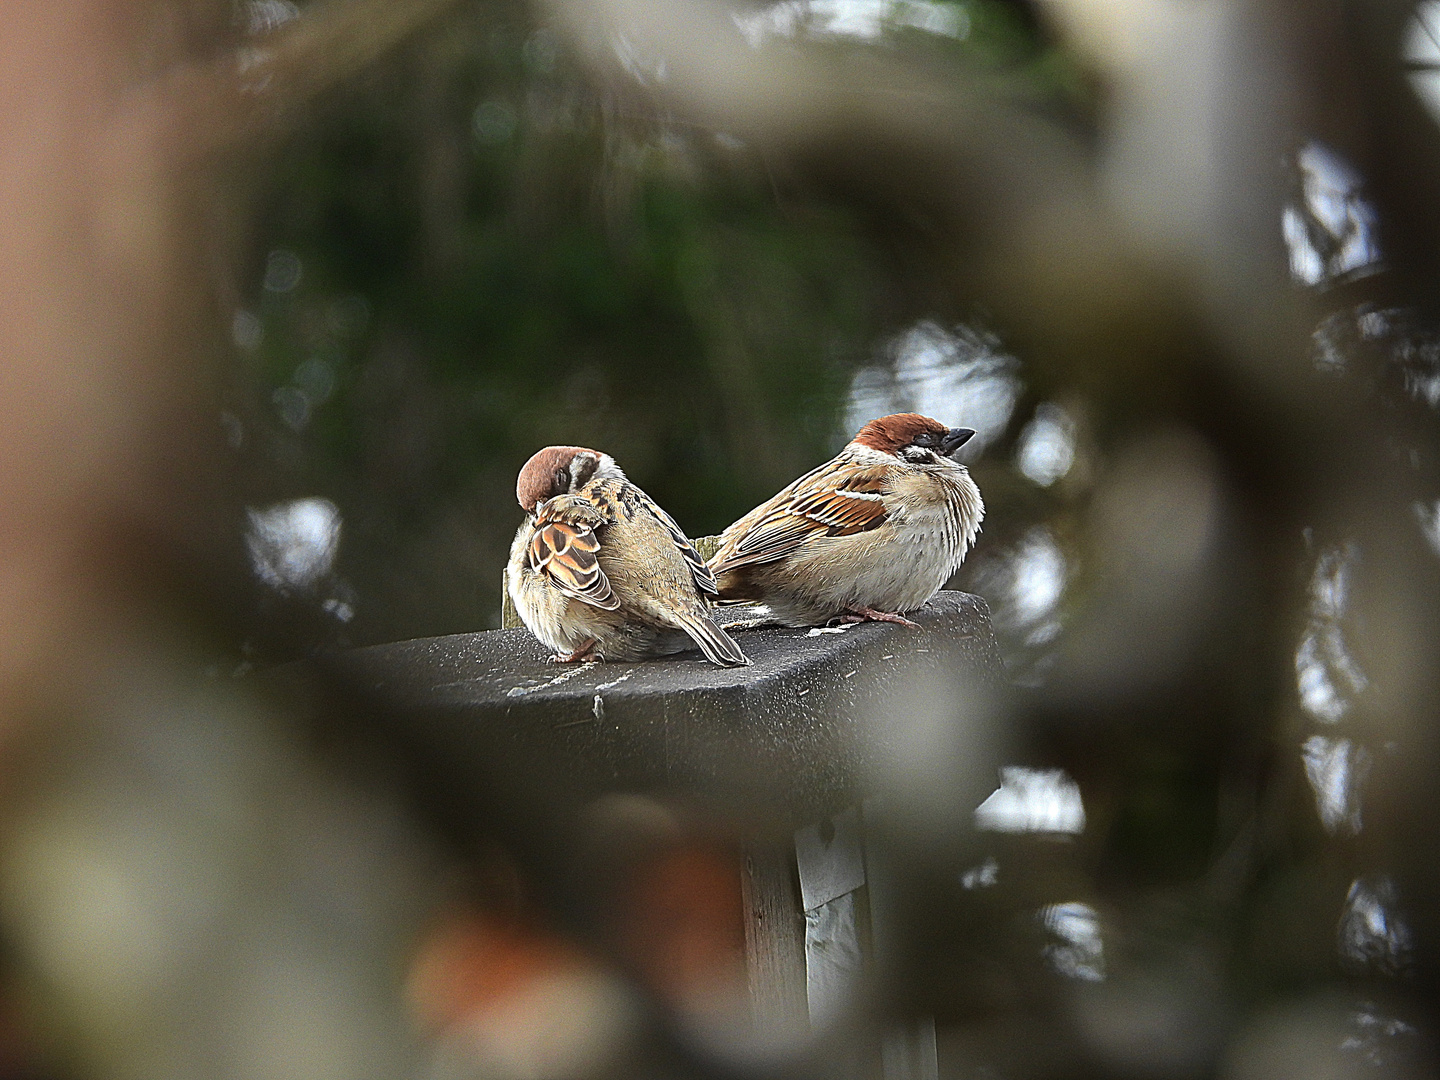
[(718, 646)]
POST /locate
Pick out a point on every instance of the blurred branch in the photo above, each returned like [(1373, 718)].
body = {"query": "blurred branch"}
[(248, 93), (1006, 199), (780, 96)]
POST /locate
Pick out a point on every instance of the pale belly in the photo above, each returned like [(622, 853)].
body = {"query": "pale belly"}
[(884, 571), (566, 625)]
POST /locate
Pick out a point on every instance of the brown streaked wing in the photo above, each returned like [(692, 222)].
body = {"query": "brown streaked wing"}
[(814, 506), (842, 510), (565, 554), (704, 580)]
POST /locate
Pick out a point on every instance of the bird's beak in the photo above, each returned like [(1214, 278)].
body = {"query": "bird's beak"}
[(955, 438)]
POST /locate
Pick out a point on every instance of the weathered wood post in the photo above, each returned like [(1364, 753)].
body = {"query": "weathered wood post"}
[(797, 733)]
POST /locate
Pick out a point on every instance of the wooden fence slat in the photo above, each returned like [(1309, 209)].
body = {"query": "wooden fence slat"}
[(774, 940)]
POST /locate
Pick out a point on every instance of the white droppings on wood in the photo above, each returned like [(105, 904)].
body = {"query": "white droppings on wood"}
[(564, 676)]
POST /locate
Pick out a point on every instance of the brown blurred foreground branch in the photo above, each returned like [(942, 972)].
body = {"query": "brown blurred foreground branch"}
[(249, 91), (114, 115)]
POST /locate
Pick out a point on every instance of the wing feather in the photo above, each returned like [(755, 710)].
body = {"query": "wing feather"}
[(704, 579), (825, 502), (566, 553)]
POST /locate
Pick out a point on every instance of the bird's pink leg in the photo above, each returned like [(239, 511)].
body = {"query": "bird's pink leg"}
[(582, 653), (865, 614)]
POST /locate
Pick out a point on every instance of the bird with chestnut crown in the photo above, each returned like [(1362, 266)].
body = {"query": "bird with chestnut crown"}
[(599, 571), (869, 535)]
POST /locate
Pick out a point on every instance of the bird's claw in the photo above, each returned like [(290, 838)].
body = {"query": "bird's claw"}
[(582, 653), (859, 615)]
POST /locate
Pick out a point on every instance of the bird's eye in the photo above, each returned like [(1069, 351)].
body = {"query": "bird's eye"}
[(562, 479), (925, 438)]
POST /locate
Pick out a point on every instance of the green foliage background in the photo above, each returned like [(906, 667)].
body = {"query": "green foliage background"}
[(496, 254)]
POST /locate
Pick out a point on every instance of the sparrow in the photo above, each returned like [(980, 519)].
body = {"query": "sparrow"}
[(599, 571), (872, 533)]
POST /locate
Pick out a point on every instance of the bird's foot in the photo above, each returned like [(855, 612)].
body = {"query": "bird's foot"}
[(865, 614), (582, 653)]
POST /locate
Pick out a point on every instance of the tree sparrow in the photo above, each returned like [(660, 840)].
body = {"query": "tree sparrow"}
[(873, 532), (599, 571)]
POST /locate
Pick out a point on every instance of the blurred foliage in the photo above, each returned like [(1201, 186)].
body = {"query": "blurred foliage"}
[(1212, 479), (476, 252)]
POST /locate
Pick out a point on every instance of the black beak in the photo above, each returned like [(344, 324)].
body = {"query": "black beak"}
[(955, 438)]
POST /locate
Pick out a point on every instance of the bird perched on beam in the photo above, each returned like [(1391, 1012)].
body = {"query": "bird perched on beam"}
[(599, 571), (872, 533)]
